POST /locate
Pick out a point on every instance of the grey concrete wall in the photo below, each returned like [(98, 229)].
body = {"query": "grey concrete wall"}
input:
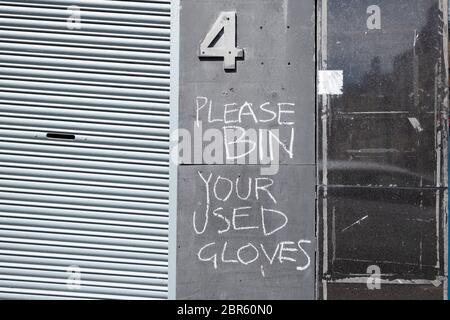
[(261, 246)]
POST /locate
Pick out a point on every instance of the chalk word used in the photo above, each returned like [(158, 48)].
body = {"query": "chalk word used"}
[(221, 190)]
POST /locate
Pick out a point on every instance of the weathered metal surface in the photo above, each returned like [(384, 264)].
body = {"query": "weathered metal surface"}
[(383, 147), (84, 149)]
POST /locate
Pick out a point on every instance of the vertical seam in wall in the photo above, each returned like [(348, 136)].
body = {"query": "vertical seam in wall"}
[(324, 144), (173, 165), (445, 145), (316, 128)]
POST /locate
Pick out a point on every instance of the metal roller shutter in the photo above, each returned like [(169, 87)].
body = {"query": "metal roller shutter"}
[(84, 149)]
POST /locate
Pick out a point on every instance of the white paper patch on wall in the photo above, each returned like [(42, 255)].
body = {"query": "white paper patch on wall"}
[(331, 82), (416, 124)]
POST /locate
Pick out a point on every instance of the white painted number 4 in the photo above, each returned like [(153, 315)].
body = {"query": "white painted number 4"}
[(220, 42)]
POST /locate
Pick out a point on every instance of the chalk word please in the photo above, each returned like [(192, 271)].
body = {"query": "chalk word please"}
[(233, 113)]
